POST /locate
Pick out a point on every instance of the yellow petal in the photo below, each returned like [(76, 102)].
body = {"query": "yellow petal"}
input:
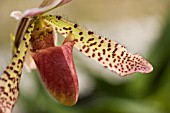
[(110, 54), (10, 79)]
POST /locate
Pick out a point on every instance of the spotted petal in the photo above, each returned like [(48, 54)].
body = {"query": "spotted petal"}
[(10, 79), (108, 53)]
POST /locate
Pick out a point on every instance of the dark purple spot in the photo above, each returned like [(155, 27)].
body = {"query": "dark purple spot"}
[(75, 25), (90, 32)]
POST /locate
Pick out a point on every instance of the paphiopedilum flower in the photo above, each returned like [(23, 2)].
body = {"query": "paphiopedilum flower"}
[(55, 63)]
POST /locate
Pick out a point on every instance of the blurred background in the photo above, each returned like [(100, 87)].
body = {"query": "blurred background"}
[(142, 26)]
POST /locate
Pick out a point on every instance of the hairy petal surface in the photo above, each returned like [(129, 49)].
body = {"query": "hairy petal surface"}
[(10, 79), (108, 53)]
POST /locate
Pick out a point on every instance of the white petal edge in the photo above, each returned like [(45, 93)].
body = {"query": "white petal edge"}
[(16, 14)]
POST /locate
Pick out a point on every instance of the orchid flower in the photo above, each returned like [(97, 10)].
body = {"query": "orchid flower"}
[(38, 31)]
